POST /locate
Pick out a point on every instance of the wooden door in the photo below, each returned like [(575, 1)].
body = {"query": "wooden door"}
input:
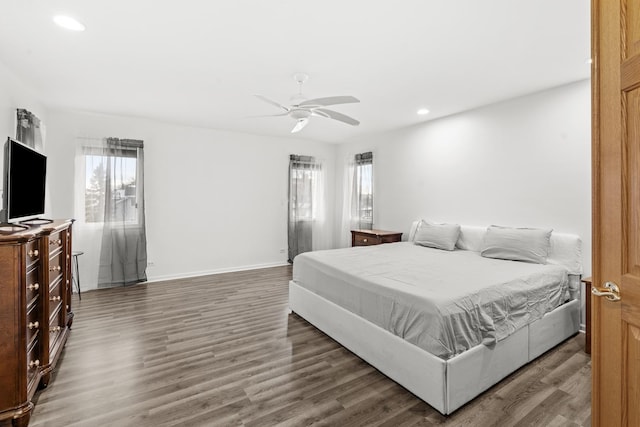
[(616, 211)]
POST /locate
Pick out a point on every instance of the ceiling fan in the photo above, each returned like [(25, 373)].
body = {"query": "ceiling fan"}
[(302, 109)]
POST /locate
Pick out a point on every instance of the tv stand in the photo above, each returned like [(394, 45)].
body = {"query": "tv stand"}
[(37, 221)]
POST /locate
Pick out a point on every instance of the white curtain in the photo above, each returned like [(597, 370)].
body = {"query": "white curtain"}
[(362, 199), (307, 225), (109, 205), (357, 201), (29, 129)]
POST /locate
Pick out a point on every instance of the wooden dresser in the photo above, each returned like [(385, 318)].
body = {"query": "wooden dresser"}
[(373, 237), (35, 313)]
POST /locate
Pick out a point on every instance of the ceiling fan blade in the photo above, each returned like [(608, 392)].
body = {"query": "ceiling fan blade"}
[(319, 113), (286, 113), (300, 125), (272, 102), (337, 116), (331, 100)]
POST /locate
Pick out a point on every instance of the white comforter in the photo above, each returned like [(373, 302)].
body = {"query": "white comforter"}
[(444, 302)]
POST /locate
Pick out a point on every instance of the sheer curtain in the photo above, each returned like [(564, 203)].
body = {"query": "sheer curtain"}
[(362, 199), (123, 256), (357, 202), (29, 129), (307, 216), (110, 209)]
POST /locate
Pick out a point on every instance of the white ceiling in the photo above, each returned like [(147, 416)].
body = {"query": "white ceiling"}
[(198, 62)]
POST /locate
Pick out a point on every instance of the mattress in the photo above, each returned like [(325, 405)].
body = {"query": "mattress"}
[(443, 302)]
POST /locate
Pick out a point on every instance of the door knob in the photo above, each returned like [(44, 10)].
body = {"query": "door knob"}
[(611, 291)]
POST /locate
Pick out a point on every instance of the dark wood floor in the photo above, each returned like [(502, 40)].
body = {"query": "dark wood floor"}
[(221, 350)]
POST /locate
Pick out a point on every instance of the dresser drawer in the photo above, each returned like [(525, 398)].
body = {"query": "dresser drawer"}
[(56, 267), (33, 361), (56, 242), (34, 288), (33, 325), (33, 252), (55, 298), (55, 331)]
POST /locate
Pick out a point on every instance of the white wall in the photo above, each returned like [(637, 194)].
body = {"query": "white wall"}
[(215, 200), (524, 162)]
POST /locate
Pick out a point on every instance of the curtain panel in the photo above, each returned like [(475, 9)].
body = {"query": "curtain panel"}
[(306, 223), (357, 196), (29, 129), (362, 199), (123, 252)]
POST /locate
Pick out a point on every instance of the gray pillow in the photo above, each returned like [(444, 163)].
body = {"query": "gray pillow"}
[(439, 236), (518, 244)]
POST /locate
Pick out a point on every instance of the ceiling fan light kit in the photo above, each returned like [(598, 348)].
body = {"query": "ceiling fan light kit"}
[(302, 109)]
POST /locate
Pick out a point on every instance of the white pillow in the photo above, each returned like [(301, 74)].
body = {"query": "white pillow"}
[(566, 249), (412, 231), (439, 236), (471, 238), (517, 244)]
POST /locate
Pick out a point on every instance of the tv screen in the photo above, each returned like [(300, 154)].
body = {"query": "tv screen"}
[(25, 177)]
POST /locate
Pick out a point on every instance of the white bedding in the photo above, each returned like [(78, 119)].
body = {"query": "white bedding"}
[(443, 302)]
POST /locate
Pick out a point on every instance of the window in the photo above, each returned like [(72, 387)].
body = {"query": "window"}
[(111, 178), (109, 206), (303, 180), (362, 202)]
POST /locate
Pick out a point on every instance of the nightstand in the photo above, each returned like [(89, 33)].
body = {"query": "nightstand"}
[(373, 237), (587, 326)]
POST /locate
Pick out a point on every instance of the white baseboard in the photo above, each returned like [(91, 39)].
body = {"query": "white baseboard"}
[(152, 279)]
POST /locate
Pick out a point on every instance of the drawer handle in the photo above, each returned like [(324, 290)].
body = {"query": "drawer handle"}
[(34, 287), (33, 253), (54, 299), (34, 364), (364, 240), (33, 325), (55, 267), (55, 329)]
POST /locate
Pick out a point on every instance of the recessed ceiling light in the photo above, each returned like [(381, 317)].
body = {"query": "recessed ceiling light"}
[(68, 22), (423, 111)]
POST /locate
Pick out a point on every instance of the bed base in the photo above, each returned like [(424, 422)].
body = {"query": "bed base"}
[(446, 385)]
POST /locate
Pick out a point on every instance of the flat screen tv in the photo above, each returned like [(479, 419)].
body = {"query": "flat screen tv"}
[(25, 172)]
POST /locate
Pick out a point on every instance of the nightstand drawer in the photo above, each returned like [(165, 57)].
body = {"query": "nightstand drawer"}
[(373, 237), (365, 240)]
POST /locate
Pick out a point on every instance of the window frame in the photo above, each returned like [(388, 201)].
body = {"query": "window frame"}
[(95, 151)]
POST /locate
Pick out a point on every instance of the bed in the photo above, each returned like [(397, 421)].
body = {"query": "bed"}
[(445, 324)]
